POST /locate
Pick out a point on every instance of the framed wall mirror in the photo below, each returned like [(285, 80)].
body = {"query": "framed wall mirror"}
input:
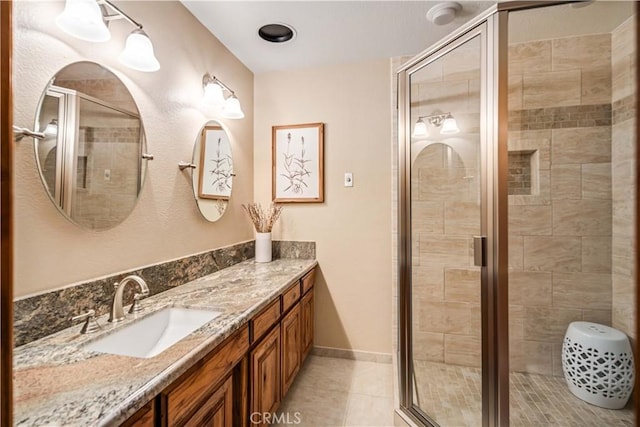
[(92, 159), (212, 178)]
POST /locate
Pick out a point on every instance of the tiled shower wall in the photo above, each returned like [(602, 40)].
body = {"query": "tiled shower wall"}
[(446, 213), (623, 176), (560, 234), (102, 200)]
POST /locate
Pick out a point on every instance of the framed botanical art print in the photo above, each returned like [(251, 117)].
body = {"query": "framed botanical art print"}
[(297, 163), (216, 164)]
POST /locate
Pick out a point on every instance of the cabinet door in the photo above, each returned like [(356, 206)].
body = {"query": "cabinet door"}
[(265, 374), (217, 410), (291, 347), (306, 307), (143, 418)]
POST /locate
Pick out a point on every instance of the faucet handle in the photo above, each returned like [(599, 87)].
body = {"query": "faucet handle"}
[(90, 324), (136, 307)]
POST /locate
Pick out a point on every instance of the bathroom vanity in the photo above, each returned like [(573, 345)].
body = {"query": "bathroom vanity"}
[(241, 363)]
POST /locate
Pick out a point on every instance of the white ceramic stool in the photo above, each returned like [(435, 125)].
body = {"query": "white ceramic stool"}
[(597, 362)]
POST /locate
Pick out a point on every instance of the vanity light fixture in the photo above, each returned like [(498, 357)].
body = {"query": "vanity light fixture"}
[(52, 128), (87, 20), (214, 97), (446, 120)]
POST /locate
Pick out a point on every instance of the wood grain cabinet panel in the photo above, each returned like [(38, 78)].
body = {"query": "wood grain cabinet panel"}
[(263, 321), (265, 374), (217, 410), (291, 347), (308, 281), (143, 418), (185, 397), (307, 322), (290, 297)]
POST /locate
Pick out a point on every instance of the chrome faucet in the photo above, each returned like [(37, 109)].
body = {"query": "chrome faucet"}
[(117, 313)]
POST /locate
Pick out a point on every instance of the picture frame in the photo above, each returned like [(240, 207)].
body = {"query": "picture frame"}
[(216, 164), (298, 163)]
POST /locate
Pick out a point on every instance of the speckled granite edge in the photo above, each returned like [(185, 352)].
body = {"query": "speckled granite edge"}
[(41, 315)]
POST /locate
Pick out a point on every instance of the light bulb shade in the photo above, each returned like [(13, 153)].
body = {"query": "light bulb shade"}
[(420, 129), (213, 96), (449, 126), (83, 19), (138, 53), (52, 128), (232, 108)]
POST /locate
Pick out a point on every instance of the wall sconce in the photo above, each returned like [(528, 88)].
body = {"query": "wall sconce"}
[(87, 20), (214, 97), (446, 120)]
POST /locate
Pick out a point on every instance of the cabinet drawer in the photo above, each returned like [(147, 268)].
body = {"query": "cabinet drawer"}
[(308, 280), (184, 398), (290, 297), (264, 320)]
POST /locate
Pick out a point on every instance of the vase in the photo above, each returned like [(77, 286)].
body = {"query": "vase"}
[(263, 247)]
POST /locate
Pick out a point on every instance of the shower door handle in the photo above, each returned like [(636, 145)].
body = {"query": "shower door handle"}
[(480, 251)]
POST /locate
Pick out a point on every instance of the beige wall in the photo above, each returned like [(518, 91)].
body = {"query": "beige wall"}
[(51, 252), (352, 228)]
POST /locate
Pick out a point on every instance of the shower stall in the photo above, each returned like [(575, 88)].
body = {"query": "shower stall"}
[(516, 211)]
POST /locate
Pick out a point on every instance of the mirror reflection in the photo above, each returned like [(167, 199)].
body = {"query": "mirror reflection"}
[(91, 159), (212, 179)]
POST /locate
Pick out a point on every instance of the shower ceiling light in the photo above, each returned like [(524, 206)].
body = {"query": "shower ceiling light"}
[(446, 120), (85, 19), (443, 13)]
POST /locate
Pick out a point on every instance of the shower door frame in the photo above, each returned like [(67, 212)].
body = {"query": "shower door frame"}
[(494, 217)]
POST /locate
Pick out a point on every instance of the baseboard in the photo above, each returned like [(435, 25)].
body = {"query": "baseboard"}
[(341, 353)]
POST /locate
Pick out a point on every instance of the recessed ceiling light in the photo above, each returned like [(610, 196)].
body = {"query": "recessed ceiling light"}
[(276, 33)]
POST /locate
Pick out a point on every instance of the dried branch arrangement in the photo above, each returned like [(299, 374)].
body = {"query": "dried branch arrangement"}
[(263, 220)]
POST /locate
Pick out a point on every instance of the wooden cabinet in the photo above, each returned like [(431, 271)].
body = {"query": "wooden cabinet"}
[(307, 322), (217, 410), (143, 418), (263, 321), (186, 399), (265, 374), (290, 330), (249, 373)]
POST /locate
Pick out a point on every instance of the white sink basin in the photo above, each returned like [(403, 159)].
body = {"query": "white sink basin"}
[(155, 333)]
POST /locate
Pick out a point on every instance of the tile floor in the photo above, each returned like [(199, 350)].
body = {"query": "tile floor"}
[(451, 396), (339, 392)]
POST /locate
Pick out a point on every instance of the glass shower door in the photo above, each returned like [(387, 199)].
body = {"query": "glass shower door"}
[(444, 166)]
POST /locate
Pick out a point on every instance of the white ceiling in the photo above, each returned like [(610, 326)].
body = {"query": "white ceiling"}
[(327, 32)]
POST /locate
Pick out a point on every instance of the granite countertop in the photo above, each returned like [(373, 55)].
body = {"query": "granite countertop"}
[(59, 383)]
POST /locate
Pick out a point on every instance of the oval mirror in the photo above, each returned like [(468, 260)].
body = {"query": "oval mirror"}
[(212, 178), (91, 159)]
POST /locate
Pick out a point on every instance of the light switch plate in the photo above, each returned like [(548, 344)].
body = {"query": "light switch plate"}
[(348, 179)]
